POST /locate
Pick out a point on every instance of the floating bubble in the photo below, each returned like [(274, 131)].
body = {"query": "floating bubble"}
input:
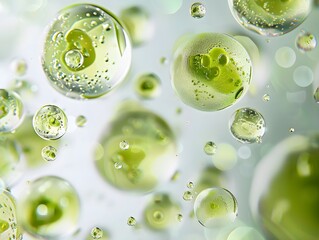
[(210, 148), (87, 52), (180, 217), (303, 76), (215, 207), (11, 111), (49, 208), (290, 167), (266, 98), (148, 85), (9, 227), (270, 17), (49, 153), (285, 57), (225, 158), (19, 67), (210, 71), (80, 121), (138, 24), (190, 185), (96, 233), (188, 196), (50, 122), (163, 60), (306, 41), (247, 125), (160, 213), (131, 221), (124, 145), (151, 154), (197, 10)]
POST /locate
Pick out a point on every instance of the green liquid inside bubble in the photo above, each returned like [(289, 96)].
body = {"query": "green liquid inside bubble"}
[(86, 52), (4, 226), (210, 71), (49, 153), (148, 85)]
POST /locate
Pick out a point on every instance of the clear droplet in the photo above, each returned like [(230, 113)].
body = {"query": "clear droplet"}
[(131, 221), (96, 233), (247, 125), (266, 98), (215, 207), (197, 10), (210, 148), (188, 196), (124, 145), (74, 59), (190, 185), (49, 153), (50, 122), (306, 41), (80, 121), (148, 85)]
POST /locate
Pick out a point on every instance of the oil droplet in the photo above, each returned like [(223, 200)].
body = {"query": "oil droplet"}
[(190, 185), (210, 148), (124, 145), (118, 165), (188, 196), (80, 121), (266, 98), (247, 125), (49, 153), (148, 85), (215, 207), (197, 10), (50, 122), (96, 233), (131, 221), (306, 41), (272, 17)]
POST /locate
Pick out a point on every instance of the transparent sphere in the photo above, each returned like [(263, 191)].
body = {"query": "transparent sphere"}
[(210, 71), (11, 111), (9, 227), (270, 17), (50, 122), (148, 86), (197, 10), (161, 212), (86, 52), (215, 207), (150, 157), (247, 125), (306, 41), (210, 148), (49, 153), (49, 208), (285, 194), (96, 233), (80, 121)]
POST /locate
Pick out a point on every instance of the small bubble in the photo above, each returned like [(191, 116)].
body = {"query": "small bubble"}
[(49, 153), (180, 217), (74, 59), (131, 221), (210, 148), (291, 130), (197, 10), (266, 98), (188, 196), (306, 41), (190, 185), (118, 165), (96, 233), (124, 145), (163, 60), (80, 121)]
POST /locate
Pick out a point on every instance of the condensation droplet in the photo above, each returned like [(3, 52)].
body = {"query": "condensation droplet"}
[(188, 196)]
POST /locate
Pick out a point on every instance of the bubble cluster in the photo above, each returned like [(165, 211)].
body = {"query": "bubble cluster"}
[(11, 111), (215, 207), (197, 10), (266, 97), (148, 155), (247, 125), (148, 85), (210, 148), (50, 122), (210, 71), (306, 41), (86, 52), (49, 153), (270, 17), (49, 208)]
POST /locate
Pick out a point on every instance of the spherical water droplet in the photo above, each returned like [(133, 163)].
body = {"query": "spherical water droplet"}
[(188, 196), (49, 208), (247, 125), (306, 41), (50, 122), (215, 207), (272, 17), (131, 221), (74, 47), (285, 57), (11, 111), (49, 153), (210, 71), (197, 10), (81, 121), (210, 148), (96, 233), (266, 98), (303, 76), (148, 85), (124, 145)]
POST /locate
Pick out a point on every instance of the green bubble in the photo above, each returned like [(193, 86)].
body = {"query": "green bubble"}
[(247, 125), (80, 121), (148, 86), (50, 208), (86, 52), (11, 111), (270, 17), (306, 41), (215, 207), (96, 233), (131, 221), (197, 10), (210, 148), (161, 213), (50, 122), (188, 196), (210, 71), (151, 154), (49, 153)]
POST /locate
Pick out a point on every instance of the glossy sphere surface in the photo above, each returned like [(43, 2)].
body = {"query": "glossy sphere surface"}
[(86, 52)]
